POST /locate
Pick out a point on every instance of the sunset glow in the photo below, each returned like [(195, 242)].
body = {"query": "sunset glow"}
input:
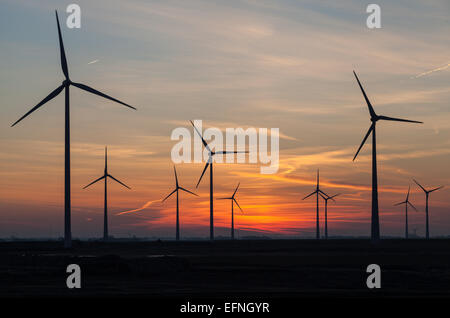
[(246, 64)]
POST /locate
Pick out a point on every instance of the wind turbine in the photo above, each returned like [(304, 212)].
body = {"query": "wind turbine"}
[(375, 224), (177, 187), (233, 200), (317, 192), (65, 86), (209, 163), (105, 177), (406, 202), (326, 198), (427, 193)]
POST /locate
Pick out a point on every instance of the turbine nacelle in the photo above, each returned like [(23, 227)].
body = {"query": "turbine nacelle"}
[(427, 192), (407, 202), (211, 153), (232, 198), (67, 82), (106, 175), (374, 117), (177, 187), (326, 198)]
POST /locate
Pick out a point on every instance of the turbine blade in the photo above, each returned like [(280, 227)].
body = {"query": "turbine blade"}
[(320, 191), (106, 160), (223, 152), (419, 185), (364, 140), (238, 205), (436, 189), (96, 92), (169, 195), (176, 177), (371, 110), (102, 177), (185, 190), (203, 140), (407, 196), (317, 184), (399, 119), (412, 206), (46, 99), (224, 199), (119, 181), (333, 196), (400, 203), (206, 167), (236, 190), (61, 50), (309, 195), (323, 197)]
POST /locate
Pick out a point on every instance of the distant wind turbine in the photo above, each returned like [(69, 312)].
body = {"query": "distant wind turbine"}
[(406, 202), (211, 192), (177, 187), (233, 200), (105, 177), (65, 86), (375, 224), (326, 198), (427, 193), (317, 192)]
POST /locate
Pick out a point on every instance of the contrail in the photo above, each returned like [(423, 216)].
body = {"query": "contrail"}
[(141, 208), (94, 61), (432, 71)]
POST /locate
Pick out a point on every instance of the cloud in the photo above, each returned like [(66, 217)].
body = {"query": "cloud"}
[(441, 68), (92, 62), (146, 205)]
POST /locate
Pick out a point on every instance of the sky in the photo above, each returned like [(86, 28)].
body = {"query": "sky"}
[(270, 64)]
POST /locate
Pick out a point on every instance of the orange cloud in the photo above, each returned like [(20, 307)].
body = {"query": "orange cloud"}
[(146, 205)]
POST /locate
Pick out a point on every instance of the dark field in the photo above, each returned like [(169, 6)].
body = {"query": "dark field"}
[(265, 268)]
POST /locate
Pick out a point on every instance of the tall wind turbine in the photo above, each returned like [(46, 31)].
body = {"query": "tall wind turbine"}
[(375, 224), (65, 86), (406, 202), (317, 192), (177, 187), (210, 164), (105, 177), (427, 193), (326, 198), (233, 200)]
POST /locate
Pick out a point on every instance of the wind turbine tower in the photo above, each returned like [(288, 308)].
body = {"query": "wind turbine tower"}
[(105, 177), (233, 200), (317, 192), (176, 190), (65, 86), (374, 118), (427, 194)]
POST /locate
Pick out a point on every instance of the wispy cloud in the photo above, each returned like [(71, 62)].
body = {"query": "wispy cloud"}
[(146, 205), (249, 63), (441, 68)]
